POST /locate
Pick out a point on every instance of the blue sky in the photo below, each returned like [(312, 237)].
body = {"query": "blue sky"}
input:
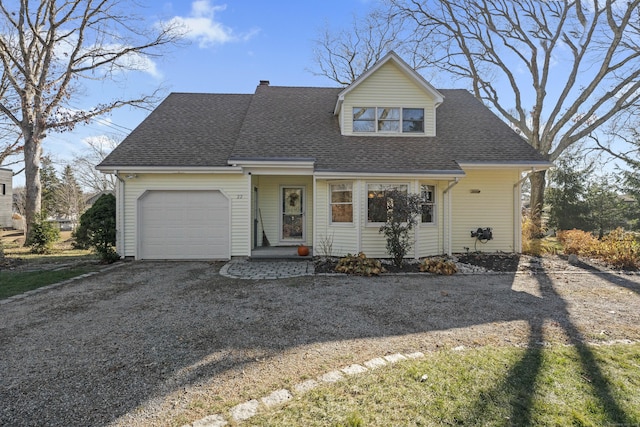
[(231, 46)]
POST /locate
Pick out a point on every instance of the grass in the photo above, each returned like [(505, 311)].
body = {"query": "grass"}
[(550, 386), (17, 282), (42, 270)]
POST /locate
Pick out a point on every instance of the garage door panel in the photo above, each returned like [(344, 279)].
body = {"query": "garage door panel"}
[(184, 225)]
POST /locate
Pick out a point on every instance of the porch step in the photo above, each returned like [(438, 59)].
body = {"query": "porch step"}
[(279, 253)]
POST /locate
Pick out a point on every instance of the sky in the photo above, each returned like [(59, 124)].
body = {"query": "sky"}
[(230, 47)]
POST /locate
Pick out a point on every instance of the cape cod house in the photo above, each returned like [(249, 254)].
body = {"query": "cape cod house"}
[(205, 175)]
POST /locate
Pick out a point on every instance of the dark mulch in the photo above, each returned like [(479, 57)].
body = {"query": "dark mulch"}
[(491, 261), (494, 261)]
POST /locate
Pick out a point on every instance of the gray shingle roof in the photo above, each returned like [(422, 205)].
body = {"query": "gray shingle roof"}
[(298, 122)]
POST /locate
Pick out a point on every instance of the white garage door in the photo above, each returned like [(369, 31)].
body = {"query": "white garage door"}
[(183, 225)]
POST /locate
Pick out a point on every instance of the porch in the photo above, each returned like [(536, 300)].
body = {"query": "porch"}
[(266, 253)]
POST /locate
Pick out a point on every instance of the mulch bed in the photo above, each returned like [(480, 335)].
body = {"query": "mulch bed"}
[(498, 262)]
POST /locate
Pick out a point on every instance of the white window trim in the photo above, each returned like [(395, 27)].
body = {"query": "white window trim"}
[(366, 198), (353, 204), (433, 223), (400, 122)]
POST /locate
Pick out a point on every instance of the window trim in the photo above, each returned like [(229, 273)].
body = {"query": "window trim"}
[(385, 183), (352, 203), (434, 203), (376, 121)]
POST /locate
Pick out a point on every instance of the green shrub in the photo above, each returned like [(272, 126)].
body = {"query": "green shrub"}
[(359, 265), (42, 235), (98, 228), (403, 210), (438, 266)]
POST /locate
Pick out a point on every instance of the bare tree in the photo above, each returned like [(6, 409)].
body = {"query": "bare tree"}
[(344, 56), (556, 71), (48, 49), (85, 165)]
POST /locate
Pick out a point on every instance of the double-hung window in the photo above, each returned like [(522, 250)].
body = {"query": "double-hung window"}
[(341, 202), (378, 201), (427, 192), (388, 120)]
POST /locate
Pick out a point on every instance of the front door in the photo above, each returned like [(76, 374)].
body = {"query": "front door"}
[(292, 214)]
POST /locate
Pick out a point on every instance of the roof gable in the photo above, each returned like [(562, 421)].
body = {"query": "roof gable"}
[(409, 72)]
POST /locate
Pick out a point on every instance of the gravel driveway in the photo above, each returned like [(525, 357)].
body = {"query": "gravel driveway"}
[(167, 343)]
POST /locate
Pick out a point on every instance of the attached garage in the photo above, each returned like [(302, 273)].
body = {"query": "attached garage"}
[(183, 225)]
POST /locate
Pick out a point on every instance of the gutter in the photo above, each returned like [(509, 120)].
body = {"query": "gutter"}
[(119, 221), (449, 215)]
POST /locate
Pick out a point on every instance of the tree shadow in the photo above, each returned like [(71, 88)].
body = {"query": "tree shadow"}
[(521, 381), (159, 328)]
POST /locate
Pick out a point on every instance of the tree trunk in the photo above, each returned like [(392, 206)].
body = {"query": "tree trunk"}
[(33, 203), (538, 184)]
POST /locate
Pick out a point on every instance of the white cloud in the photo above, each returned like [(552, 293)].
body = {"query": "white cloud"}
[(201, 25)]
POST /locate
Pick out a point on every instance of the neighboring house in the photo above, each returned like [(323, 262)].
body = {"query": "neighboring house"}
[(204, 174), (6, 197)]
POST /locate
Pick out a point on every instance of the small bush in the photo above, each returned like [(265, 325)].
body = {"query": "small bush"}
[(578, 242), (359, 265), (98, 228), (42, 235), (438, 266), (618, 249)]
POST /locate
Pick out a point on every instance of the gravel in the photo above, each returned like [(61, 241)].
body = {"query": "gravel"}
[(170, 343)]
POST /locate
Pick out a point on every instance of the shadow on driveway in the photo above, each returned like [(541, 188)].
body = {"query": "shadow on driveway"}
[(98, 349)]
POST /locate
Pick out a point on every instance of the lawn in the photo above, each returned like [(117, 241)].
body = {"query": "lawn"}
[(547, 386), (32, 271)]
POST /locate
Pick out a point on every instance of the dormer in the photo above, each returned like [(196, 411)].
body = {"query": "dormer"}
[(389, 99)]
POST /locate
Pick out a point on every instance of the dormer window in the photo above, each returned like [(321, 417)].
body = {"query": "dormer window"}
[(388, 120)]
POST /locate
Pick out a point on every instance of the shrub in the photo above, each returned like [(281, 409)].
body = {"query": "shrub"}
[(402, 211), (359, 265), (438, 266), (618, 249), (42, 235), (98, 228), (578, 242)]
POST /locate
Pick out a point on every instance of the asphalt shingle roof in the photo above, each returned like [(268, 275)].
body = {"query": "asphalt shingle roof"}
[(298, 123)]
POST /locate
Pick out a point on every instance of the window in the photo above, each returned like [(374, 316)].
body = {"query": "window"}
[(364, 119), (341, 202), (377, 201), (412, 120), (427, 192), (3, 189), (387, 119)]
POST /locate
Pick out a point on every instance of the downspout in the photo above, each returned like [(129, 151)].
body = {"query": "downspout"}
[(119, 218), (446, 191), (517, 212)]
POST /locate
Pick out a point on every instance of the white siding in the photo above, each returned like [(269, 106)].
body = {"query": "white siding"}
[(235, 187), (492, 207), (343, 237), (429, 240), (389, 87), (269, 204)]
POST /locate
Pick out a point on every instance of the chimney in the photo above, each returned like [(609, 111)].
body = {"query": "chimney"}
[(264, 82)]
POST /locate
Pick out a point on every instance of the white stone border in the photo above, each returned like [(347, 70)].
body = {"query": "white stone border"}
[(251, 408)]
